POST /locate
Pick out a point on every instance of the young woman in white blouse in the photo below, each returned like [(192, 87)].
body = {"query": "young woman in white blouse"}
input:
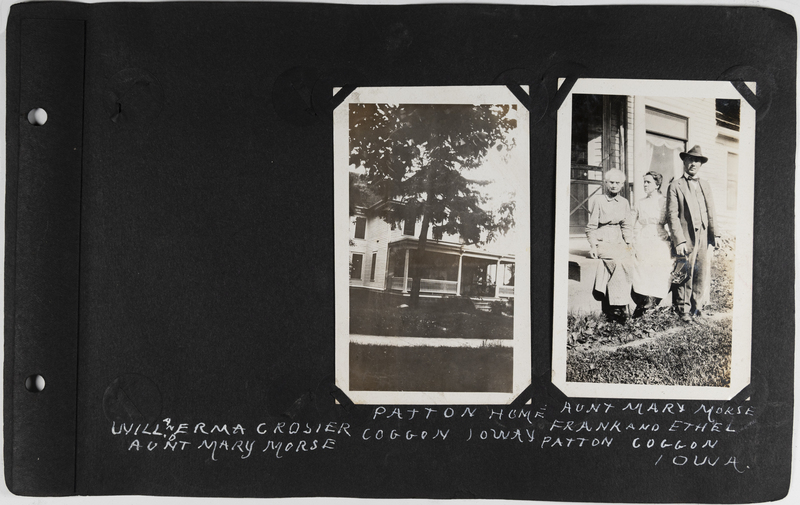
[(651, 279)]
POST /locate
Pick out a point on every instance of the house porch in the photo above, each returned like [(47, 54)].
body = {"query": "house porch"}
[(451, 273)]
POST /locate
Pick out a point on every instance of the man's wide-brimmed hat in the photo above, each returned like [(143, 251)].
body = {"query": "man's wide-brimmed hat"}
[(695, 152)]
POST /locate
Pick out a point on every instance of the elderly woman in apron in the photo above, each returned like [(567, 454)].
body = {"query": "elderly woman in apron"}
[(610, 234)]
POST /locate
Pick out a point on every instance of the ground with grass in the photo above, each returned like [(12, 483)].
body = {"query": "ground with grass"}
[(693, 355), (372, 314), (658, 348)]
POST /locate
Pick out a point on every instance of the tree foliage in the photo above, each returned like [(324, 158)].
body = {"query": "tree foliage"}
[(361, 195), (420, 154)]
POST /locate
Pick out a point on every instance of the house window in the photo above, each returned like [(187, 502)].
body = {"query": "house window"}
[(733, 179), (586, 165), (728, 114), (667, 134), (361, 227), (409, 227), (355, 266), (372, 267), (587, 133)]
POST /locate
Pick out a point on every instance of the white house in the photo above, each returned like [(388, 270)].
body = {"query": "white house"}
[(381, 255)]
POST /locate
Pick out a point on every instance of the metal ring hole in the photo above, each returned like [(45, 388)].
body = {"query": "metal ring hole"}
[(37, 117), (34, 383)]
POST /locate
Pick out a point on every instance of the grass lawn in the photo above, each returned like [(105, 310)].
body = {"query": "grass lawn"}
[(387, 368), (693, 355), (453, 318)]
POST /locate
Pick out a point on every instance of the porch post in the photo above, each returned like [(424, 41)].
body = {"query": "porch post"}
[(458, 285), (405, 274), (497, 279)]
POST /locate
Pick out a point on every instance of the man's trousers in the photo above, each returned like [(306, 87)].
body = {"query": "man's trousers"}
[(693, 294)]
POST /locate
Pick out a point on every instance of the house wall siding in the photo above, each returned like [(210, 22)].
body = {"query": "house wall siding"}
[(716, 143), (397, 234), (377, 242), (358, 246)]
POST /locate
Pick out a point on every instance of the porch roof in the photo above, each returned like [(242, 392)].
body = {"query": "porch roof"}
[(451, 248)]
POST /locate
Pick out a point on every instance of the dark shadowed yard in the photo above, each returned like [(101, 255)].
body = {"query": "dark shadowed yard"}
[(380, 314), (387, 368), (426, 365)]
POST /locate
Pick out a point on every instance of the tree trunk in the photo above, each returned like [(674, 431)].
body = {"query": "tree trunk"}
[(415, 269)]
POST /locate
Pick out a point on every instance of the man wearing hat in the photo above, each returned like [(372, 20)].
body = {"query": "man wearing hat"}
[(690, 214)]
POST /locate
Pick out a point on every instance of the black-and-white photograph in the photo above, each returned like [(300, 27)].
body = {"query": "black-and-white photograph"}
[(432, 295), (654, 239)]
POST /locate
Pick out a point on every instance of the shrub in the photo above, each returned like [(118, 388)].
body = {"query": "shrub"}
[(500, 307), (453, 304), (589, 328), (722, 275)]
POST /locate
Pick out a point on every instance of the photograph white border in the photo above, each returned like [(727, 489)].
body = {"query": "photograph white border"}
[(742, 296), (521, 343)]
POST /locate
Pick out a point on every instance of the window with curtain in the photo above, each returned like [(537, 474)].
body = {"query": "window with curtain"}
[(666, 139)]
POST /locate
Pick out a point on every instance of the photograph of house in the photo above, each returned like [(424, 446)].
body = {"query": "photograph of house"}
[(381, 255), (624, 149), (432, 264)]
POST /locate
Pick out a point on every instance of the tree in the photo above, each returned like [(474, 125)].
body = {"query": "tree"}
[(361, 194), (417, 155)]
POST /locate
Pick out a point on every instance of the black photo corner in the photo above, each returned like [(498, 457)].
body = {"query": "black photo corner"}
[(174, 292)]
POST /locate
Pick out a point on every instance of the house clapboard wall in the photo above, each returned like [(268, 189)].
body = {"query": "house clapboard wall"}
[(375, 243)]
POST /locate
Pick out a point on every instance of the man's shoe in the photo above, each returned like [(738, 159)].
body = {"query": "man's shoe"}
[(697, 313), (686, 318)]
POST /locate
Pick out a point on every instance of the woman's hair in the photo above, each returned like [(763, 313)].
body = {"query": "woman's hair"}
[(656, 177)]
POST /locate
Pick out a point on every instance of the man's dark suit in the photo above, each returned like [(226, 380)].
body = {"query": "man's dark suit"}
[(685, 217)]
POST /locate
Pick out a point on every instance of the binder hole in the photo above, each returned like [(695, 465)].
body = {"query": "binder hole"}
[(37, 117), (34, 383)]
